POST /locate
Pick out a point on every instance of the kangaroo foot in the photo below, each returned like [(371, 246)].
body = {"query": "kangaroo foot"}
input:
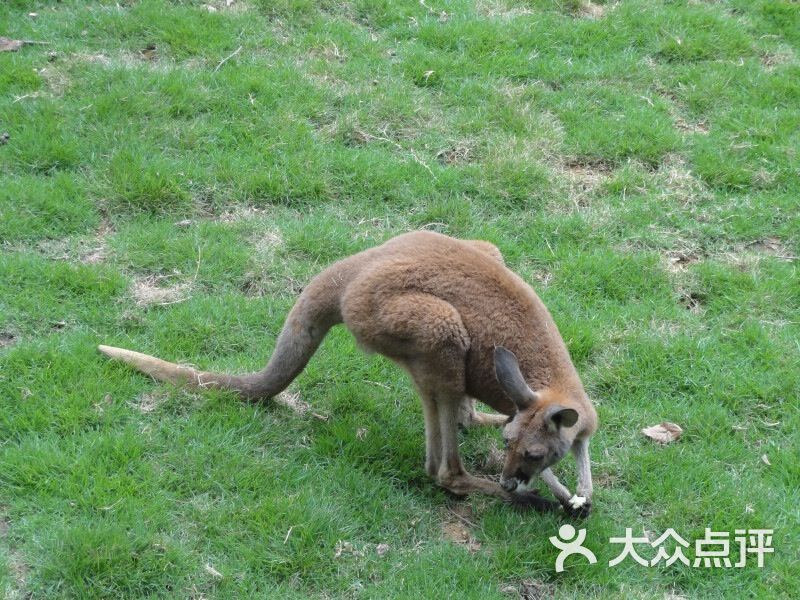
[(464, 484)]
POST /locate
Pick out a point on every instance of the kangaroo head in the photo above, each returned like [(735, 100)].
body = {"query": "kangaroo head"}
[(539, 434)]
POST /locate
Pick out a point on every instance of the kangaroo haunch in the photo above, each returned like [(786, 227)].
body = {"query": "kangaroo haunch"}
[(464, 327)]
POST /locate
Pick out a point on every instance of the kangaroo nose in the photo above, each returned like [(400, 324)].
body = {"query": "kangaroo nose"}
[(510, 484)]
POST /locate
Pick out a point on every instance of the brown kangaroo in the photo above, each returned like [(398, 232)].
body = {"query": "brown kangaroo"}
[(464, 327)]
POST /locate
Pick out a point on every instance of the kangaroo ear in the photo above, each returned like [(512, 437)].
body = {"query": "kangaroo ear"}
[(506, 369), (561, 417)]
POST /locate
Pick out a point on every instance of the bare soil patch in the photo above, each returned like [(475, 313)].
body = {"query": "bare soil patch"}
[(456, 527)]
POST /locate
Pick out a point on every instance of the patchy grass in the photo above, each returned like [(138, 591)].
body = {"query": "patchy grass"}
[(174, 173)]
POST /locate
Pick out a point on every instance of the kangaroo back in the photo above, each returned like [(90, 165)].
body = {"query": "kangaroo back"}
[(315, 312)]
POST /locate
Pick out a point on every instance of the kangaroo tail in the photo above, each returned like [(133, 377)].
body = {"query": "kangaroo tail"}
[(315, 312)]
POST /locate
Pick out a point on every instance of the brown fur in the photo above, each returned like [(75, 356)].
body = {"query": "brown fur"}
[(440, 308)]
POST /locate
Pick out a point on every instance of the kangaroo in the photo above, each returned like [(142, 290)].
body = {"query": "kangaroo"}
[(464, 327)]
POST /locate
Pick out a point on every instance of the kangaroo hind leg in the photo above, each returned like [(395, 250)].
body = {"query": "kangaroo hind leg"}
[(426, 335)]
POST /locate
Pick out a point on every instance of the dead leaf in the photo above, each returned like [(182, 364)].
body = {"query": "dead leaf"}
[(343, 548), (664, 433), (361, 433), (149, 52), (213, 572), (4, 137), (9, 45), (765, 460), (382, 549)]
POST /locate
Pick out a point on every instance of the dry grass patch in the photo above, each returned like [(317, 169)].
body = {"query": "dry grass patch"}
[(749, 254), (457, 154), (497, 9), (679, 260), (684, 126), (783, 55), (590, 10), (584, 176), (530, 589), (494, 460), (242, 214), (681, 123), (148, 291), (7, 339), (692, 301), (85, 249), (678, 183), (150, 401), (261, 279), (147, 58), (267, 242), (579, 181), (230, 6), (17, 567)]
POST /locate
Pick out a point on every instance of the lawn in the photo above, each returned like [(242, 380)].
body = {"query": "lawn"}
[(174, 172)]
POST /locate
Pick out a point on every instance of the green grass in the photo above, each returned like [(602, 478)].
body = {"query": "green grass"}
[(173, 176)]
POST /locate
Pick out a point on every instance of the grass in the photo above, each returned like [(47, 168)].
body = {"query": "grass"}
[(174, 175)]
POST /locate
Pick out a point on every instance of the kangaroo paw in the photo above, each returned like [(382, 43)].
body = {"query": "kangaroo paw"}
[(578, 507)]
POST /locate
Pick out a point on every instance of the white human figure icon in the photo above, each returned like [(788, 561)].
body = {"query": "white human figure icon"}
[(565, 533)]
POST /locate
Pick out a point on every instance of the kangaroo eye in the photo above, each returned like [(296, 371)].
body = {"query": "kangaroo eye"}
[(532, 456)]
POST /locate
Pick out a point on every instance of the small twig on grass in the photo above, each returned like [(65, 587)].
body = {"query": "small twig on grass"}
[(227, 58), (461, 518), (197, 270), (168, 302), (110, 506)]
